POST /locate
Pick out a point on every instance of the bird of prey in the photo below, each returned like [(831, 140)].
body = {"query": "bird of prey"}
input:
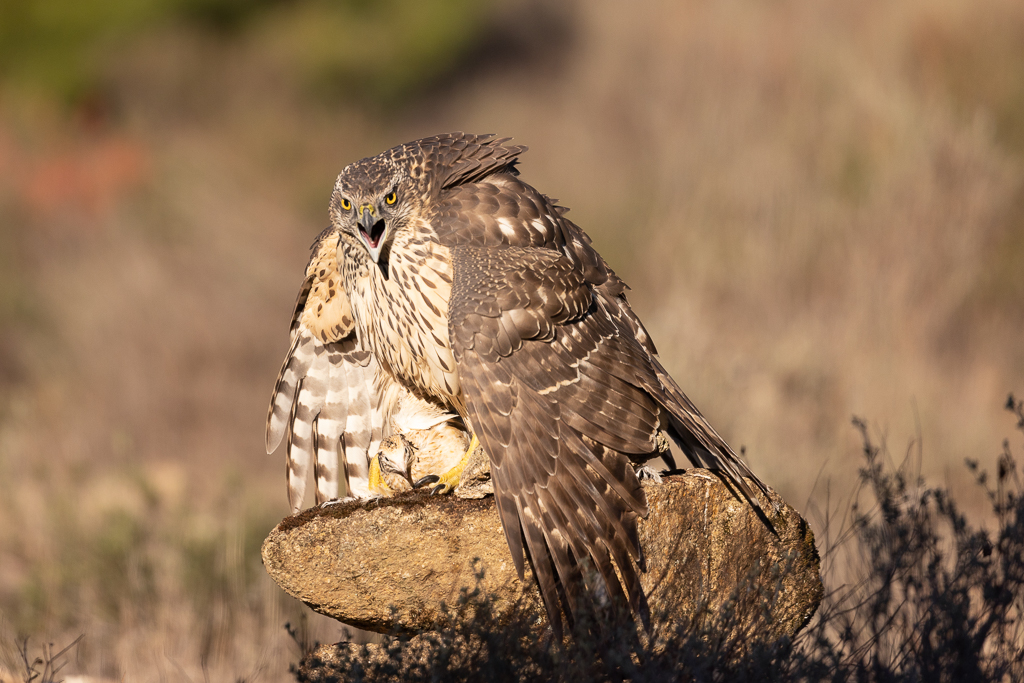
[(469, 289)]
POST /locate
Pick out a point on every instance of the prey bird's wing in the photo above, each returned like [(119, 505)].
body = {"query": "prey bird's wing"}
[(324, 398)]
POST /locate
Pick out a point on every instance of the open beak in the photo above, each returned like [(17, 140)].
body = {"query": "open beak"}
[(372, 230)]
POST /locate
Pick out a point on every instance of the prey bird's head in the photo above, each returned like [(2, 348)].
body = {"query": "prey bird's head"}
[(371, 203)]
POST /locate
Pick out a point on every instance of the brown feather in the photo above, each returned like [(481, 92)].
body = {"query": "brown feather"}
[(485, 299)]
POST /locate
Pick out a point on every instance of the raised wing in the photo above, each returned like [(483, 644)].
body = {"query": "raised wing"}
[(549, 391), (324, 398), (562, 387)]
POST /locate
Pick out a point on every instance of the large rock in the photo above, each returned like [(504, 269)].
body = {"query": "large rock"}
[(386, 565)]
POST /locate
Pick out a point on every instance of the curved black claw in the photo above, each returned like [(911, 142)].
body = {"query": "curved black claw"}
[(429, 479), (440, 488)]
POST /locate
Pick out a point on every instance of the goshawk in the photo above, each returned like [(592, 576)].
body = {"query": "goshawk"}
[(446, 281)]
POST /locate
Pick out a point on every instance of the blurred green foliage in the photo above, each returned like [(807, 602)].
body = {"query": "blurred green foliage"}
[(373, 53), (54, 45), (367, 52)]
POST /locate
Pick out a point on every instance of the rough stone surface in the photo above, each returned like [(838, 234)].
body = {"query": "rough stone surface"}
[(386, 565)]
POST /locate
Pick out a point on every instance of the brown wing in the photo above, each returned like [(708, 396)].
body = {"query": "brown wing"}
[(562, 387), (324, 397), (548, 387)]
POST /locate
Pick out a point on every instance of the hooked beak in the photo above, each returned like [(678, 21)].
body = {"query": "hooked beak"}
[(371, 230)]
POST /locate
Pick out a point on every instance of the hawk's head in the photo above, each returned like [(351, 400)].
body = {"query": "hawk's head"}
[(375, 198), (371, 202)]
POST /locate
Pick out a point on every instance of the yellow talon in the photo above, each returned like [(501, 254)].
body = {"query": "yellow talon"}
[(450, 479)]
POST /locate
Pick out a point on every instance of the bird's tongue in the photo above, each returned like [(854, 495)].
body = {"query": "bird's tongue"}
[(373, 237)]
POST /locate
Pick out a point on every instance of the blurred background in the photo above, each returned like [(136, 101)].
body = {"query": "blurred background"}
[(819, 206)]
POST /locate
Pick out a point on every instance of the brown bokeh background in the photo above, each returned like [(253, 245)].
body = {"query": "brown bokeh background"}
[(819, 206)]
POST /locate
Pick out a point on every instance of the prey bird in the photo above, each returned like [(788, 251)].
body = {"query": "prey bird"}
[(456, 287)]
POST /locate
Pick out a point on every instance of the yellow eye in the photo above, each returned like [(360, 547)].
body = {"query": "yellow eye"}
[(391, 198), (346, 204)]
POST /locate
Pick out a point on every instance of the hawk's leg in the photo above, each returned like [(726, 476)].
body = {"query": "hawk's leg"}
[(447, 482)]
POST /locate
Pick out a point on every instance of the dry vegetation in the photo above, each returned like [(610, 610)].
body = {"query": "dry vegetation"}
[(820, 207), (936, 598)]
